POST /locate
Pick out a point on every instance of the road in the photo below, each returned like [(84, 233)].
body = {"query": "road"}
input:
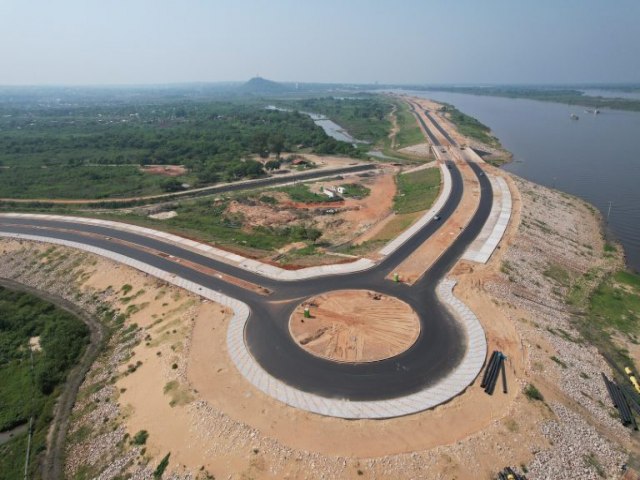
[(438, 350)]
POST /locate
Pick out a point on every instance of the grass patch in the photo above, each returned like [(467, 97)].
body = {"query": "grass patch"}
[(532, 393), (557, 273), (616, 303), (470, 127), (416, 191), (409, 132), (179, 395), (301, 193), (355, 190), (559, 362), (613, 307)]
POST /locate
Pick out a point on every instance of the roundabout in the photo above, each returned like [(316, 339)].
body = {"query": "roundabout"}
[(354, 326)]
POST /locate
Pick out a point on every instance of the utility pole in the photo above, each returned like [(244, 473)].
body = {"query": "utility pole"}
[(609, 211)]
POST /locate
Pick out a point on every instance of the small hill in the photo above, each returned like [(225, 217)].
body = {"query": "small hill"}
[(262, 85)]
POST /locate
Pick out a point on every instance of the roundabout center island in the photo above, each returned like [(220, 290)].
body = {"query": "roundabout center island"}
[(354, 326)]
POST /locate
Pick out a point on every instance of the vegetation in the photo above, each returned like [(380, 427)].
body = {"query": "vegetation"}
[(355, 190), (533, 393), (608, 313), (162, 466), (210, 221), (365, 117), (416, 191), (470, 127), (29, 388), (301, 193), (409, 132), (95, 150), (140, 438)]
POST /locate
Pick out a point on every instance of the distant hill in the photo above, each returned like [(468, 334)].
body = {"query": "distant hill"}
[(262, 85)]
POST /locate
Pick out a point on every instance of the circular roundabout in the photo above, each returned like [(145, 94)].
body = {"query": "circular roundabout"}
[(354, 326)]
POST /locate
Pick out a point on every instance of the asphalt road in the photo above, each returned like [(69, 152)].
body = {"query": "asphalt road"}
[(439, 348)]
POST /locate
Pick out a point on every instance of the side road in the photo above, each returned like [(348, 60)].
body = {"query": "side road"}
[(255, 266)]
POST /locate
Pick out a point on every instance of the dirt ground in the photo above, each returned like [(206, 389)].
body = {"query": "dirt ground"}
[(340, 222), (419, 150), (354, 326), (164, 170)]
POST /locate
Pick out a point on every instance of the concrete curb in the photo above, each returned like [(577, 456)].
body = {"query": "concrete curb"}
[(454, 384), (255, 266), (487, 240)]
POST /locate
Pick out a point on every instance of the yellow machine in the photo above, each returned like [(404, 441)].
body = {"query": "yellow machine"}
[(632, 379)]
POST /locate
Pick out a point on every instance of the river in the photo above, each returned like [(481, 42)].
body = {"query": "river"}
[(596, 157)]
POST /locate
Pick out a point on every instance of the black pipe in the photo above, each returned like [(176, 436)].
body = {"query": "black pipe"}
[(631, 400), (621, 404), (607, 384), (486, 370), (504, 378), (493, 380), (494, 368)]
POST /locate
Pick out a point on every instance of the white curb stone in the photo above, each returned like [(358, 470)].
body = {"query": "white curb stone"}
[(486, 242)]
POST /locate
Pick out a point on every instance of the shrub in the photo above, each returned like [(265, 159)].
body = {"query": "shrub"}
[(140, 438), (162, 466), (533, 393)]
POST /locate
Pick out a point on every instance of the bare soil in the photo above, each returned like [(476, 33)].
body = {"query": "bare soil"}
[(164, 170), (354, 326)]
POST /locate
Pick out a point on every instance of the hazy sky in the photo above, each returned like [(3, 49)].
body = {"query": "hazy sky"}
[(362, 41)]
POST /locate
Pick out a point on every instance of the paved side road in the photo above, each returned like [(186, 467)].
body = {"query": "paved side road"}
[(255, 266)]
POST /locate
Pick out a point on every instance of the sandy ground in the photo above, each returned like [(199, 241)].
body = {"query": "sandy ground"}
[(414, 266), (164, 170), (354, 326), (419, 150)]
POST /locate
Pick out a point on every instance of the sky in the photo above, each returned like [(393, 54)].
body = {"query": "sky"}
[(103, 42)]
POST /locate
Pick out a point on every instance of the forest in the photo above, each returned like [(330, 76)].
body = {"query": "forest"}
[(29, 384), (95, 150)]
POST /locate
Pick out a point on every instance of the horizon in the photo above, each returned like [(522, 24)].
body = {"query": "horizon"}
[(582, 84)]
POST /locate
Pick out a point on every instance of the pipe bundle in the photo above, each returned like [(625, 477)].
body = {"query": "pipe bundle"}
[(622, 400), (494, 368)]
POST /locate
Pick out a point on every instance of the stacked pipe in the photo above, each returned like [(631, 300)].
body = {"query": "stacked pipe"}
[(619, 400), (493, 370), (509, 474)]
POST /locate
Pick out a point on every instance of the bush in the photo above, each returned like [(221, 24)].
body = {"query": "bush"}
[(140, 438), (533, 393), (162, 466)]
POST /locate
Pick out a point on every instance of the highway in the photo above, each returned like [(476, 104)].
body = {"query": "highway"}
[(436, 353)]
